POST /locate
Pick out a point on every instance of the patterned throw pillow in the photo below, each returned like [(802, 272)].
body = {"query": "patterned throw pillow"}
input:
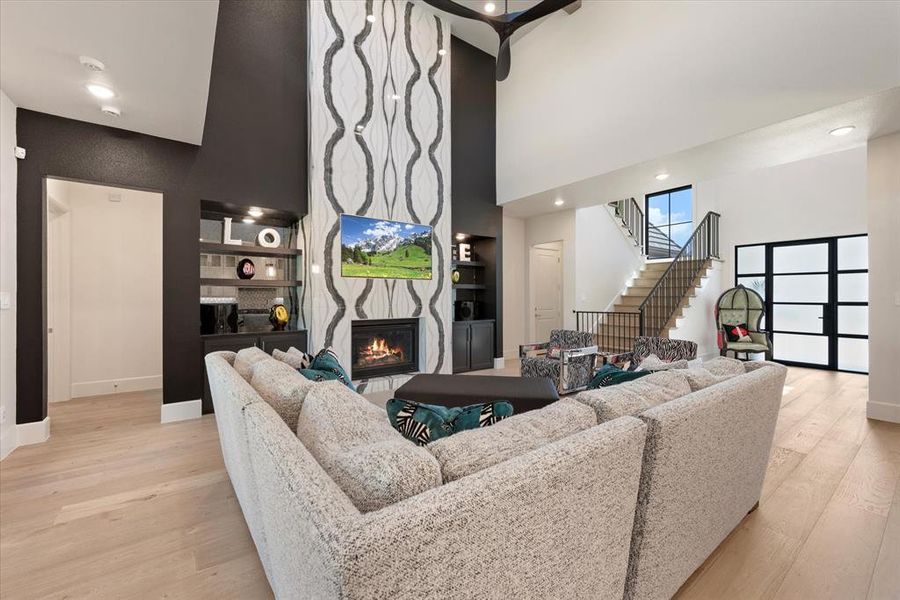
[(612, 375), (738, 333), (424, 423), (326, 367)]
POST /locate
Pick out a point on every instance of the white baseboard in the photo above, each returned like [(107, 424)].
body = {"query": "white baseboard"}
[(883, 411), (499, 363), (33, 433), (116, 386), (8, 445), (181, 411)]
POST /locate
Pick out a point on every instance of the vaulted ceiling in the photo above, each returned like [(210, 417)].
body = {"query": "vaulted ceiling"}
[(157, 55)]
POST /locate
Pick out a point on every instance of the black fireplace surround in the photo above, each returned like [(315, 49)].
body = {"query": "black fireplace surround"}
[(384, 347)]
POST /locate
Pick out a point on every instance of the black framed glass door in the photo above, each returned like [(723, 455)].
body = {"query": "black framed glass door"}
[(816, 294)]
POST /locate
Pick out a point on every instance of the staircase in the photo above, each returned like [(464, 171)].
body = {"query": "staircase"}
[(652, 302)]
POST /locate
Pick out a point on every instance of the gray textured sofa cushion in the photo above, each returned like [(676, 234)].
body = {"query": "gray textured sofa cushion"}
[(354, 442), (282, 387), (724, 366), (296, 359), (246, 358), (699, 378), (471, 451), (634, 397), (654, 363)]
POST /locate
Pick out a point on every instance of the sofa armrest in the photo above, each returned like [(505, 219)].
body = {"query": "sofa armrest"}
[(567, 354), (524, 349), (704, 466), (552, 523)]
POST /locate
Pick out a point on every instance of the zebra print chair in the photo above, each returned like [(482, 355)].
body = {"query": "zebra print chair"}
[(568, 359), (665, 349)]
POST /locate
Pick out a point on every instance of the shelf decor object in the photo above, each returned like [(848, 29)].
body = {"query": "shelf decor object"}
[(246, 269)]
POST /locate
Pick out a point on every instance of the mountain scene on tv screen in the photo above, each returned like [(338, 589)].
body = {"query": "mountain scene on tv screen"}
[(384, 249)]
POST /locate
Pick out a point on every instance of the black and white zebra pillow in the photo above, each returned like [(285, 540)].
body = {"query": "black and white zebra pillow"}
[(425, 423)]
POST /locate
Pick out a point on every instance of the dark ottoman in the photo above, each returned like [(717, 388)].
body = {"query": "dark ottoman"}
[(524, 393)]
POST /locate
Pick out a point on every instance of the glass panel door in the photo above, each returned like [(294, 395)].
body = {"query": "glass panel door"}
[(800, 302), (817, 299)]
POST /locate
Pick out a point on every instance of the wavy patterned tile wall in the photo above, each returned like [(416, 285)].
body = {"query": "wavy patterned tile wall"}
[(379, 147)]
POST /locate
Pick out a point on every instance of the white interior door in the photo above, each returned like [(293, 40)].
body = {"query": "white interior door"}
[(546, 287), (59, 370)]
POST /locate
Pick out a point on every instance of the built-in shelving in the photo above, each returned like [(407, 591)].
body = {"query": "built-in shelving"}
[(251, 283), (468, 263), (217, 248), (469, 286)]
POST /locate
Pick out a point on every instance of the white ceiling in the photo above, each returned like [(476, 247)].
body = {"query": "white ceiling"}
[(622, 83), (795, 139), (157, 55), (480, 34)]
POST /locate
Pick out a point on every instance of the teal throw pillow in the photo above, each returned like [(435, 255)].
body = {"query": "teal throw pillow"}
[(424, 423), (326, 367), (612, 375)]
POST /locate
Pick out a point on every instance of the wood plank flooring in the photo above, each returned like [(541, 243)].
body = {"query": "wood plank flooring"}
[(117, 505)]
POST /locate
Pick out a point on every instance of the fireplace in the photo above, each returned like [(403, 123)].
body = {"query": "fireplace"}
[(384, 347)]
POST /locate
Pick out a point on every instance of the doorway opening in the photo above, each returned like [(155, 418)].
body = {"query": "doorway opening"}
[(545, 289), (103, 294)]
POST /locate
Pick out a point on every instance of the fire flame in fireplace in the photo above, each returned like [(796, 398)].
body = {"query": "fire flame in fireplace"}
[(380, 352)]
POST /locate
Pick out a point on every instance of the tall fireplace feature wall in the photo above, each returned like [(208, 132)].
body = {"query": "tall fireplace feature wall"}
[(380, 148)]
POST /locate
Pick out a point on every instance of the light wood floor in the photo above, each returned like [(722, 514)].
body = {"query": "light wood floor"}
[(116, 505)]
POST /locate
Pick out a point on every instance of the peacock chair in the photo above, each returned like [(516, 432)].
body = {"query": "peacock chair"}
[(742, 306)]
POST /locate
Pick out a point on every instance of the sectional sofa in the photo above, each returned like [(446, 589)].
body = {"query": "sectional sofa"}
[(615, 493)]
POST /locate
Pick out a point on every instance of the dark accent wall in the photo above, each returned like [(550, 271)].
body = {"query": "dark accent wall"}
[(473, 124), (254, 151)]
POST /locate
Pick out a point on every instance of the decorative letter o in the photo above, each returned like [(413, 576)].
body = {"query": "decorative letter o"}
[(269, 238)]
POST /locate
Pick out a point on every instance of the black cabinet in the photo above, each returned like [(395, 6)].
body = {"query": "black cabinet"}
[(473, 345), (235, 342)]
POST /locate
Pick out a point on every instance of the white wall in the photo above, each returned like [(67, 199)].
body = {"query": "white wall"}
[(8, 170), (816, 197), (515, 293), (116, 290), (605, 260), (620, 83), (884, 277)]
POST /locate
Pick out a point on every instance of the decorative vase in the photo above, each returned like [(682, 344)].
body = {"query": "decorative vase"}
[(246, 269), (278, 317)]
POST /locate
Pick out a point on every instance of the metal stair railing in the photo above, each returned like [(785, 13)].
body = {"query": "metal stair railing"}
[(666, 296), (632, 216)]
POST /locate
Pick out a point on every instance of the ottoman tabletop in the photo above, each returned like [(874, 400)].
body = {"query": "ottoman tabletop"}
[(524, 393)]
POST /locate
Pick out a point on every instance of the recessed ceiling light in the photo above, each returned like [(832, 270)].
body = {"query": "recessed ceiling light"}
[(842, 130), (360, 128), (461, 236), (248, 220), (255, 212), (395, 96), (490, 7), (112, 111), (100, 91), (91, 64), (662, 176), (370, 18), (559, 202), (442, 52)]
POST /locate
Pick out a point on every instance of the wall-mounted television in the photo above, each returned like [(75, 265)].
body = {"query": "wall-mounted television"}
[(377, 248)]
